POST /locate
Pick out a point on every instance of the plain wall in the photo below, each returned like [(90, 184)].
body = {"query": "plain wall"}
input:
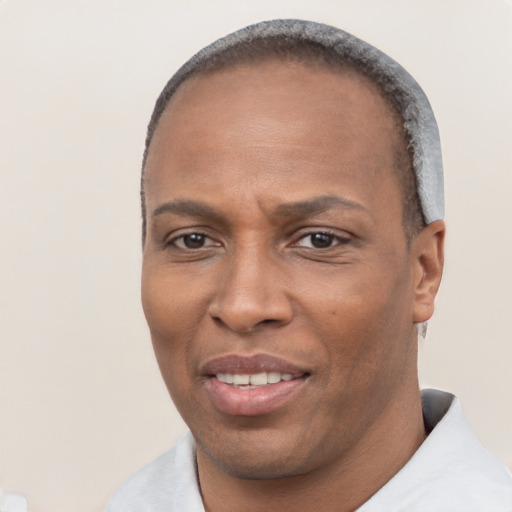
[(82, 405)]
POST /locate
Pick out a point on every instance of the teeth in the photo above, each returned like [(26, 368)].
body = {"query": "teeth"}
[(240, 379), (254, 379), (258, 379), (225, 377), (273, 377)]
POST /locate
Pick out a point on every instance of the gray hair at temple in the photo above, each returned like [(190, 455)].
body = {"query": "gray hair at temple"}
[(309, 42)]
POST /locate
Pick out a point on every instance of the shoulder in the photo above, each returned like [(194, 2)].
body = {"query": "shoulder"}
[(169, 483), (451, 471)]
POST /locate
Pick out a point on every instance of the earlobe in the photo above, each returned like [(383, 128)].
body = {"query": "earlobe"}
[(428, 253)]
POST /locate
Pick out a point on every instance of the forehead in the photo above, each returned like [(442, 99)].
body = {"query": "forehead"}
[(270, 80), (292, 92), (277, 118)]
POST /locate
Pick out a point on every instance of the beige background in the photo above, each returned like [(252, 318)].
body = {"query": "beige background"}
[(81, 401)]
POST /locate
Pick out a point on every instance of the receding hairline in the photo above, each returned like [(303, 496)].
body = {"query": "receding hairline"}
[(402, 169), (309, 54), (333, 48), (332, 43), (308, 65)]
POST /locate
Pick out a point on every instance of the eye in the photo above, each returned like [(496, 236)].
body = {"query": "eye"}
[(320, 240), (193, 241)]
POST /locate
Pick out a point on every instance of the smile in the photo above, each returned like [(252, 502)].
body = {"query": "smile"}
[(254, 380), (252, 385)]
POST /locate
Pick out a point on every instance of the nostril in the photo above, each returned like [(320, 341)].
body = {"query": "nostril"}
[(244, 309)]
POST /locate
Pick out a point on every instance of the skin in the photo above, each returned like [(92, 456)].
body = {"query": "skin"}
[(245, 143)]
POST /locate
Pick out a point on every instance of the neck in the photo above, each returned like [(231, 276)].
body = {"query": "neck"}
[(342, 486)]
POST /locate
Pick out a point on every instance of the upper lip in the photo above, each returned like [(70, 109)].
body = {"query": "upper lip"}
[(241, 364)]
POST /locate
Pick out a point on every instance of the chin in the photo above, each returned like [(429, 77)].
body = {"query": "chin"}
[(271, 468), (256, 459)]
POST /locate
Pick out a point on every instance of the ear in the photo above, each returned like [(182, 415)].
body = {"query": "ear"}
[(428, 253)]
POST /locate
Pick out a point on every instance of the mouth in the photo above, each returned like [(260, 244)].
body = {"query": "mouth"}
[(253, 380), (252, 385)]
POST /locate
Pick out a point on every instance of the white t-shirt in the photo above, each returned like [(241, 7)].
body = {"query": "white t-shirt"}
[(450, 472)]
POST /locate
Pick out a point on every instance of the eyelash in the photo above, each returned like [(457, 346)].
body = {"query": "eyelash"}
[(334, 241), (173, 242), (340, 240)]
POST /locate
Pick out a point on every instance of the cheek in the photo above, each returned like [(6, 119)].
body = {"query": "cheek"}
[(171, 305), (173, 317), (364, 322)]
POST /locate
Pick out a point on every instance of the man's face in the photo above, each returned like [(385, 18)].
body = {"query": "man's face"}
[(276, 256)]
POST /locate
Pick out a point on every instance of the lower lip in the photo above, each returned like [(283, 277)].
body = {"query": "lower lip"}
[(252, 402)]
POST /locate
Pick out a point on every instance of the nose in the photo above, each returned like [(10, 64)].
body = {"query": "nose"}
[(251, 293)]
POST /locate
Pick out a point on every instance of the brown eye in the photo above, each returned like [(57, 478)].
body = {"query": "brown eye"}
[(320, 240), (193, 241)]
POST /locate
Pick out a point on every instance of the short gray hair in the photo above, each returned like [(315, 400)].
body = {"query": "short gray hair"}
[(395, 83)]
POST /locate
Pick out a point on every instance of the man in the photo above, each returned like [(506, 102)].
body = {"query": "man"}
[(293, 243)]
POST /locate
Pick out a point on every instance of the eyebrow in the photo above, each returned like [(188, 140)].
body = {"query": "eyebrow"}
[(308, 207), (317, 205), (187, 208)]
